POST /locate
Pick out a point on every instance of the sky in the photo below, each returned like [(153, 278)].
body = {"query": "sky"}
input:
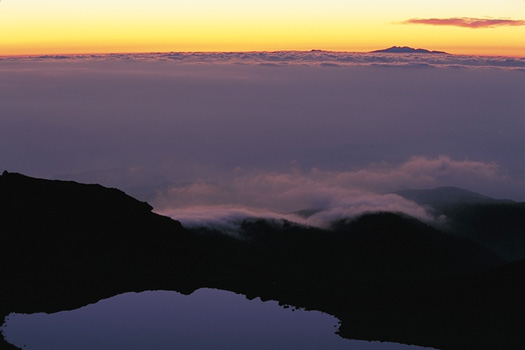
[(219, 136), (481, 27)]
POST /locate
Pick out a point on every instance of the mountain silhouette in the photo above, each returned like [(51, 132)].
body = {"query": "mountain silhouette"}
[(386, 276), (445, 196), (406, 49), (497, 224)]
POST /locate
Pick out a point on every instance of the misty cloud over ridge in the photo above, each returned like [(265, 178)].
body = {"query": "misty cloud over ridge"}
[(331, 195), (327, 59), (227, 218)]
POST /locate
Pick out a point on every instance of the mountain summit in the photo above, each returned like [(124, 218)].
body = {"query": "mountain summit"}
[(406, 49), (446, 196)]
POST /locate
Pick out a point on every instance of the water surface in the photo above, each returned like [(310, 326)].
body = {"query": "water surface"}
[(162, 320)]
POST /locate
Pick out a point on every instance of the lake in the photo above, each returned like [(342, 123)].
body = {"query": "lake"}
[(162, 320)]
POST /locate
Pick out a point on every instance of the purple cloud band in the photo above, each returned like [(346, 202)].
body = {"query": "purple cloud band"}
[(467, 22)]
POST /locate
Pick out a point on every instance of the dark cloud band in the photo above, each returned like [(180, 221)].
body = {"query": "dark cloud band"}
[(467, 22)]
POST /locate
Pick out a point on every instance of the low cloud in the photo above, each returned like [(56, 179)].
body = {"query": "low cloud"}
[(422, 171), (467, 22), (226, 218), (322, 59), (330, 195)]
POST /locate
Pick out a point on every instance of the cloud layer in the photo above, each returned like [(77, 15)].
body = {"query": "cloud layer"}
[(326, 59), (327, 195), (467, 22), (265, 134)]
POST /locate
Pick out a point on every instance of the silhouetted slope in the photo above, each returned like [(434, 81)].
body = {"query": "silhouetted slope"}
[(408, 248), (483, 311), (69, 238), (379, 248), (497, 224), (385, 276), (442, 197)]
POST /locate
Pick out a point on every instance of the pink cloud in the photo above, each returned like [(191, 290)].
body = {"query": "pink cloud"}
[(422, 171), (334, 194), (226, 218), (467, 22)]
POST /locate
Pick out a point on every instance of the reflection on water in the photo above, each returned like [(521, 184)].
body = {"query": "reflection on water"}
[(162, 320)]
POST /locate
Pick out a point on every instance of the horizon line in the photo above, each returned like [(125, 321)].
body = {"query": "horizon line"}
[(238, 51)]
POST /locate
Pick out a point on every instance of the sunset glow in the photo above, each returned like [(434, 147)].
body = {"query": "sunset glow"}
[(58, 26)]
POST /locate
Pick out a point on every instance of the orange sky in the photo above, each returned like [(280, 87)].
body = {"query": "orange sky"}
[(59, 26)]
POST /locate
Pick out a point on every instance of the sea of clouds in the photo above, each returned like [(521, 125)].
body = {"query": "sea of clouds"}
[(217, 137), (314, 57)]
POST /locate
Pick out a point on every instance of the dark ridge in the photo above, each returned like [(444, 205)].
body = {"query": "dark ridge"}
[(498, 224), (62, 233), (445, 196), (404, 248), (380, 247), (406, 49), (386, 276)]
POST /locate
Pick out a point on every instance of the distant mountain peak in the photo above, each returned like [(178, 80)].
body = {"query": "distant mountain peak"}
[(406, 49), (441, 196)]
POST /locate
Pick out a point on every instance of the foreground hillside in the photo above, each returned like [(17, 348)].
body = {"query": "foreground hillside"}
[(496, 224), (385, 276)]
